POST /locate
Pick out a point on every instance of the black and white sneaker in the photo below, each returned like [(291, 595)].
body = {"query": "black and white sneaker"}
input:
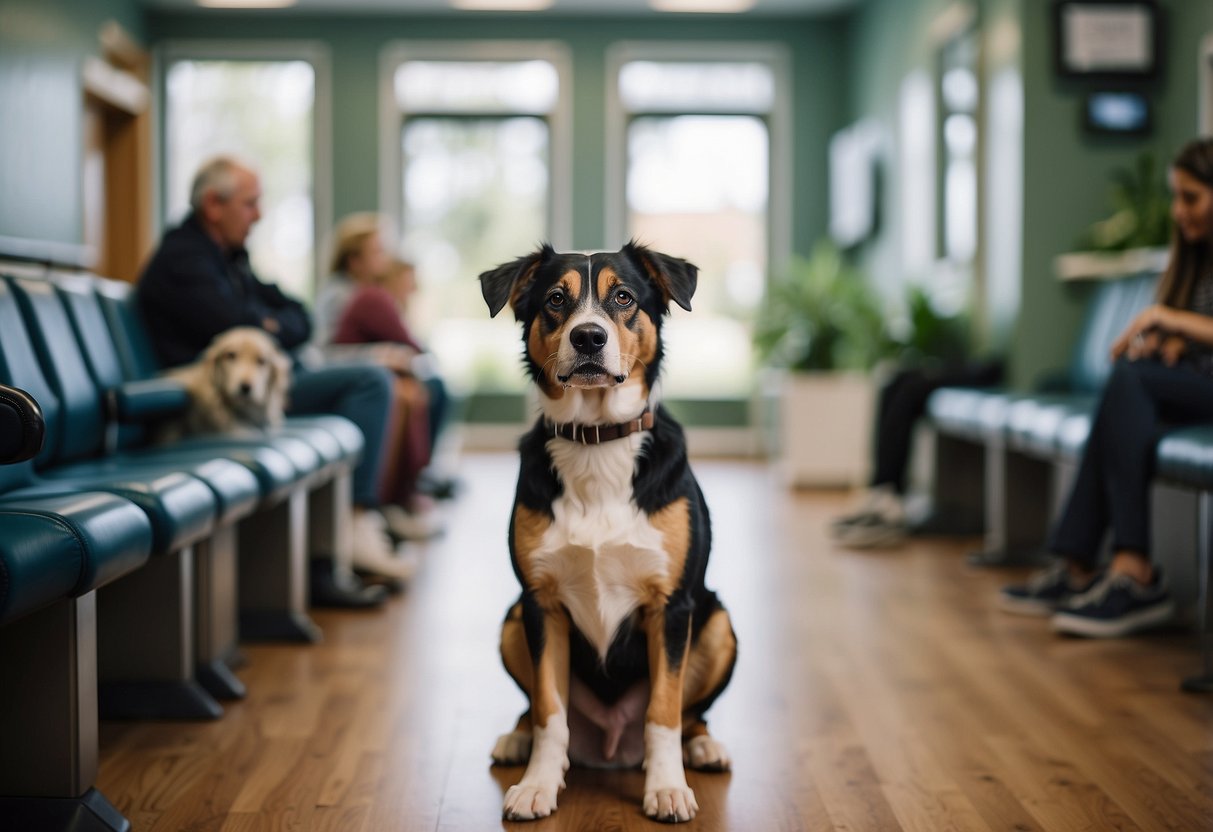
[(1045, 593), (874, 531), (839, 525), (879, 520), (1116, 606)]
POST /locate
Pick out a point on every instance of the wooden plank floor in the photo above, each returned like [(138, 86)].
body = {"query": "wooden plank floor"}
[(877, 691)]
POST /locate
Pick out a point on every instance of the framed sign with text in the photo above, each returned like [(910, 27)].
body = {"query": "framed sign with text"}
[(1107, 39)]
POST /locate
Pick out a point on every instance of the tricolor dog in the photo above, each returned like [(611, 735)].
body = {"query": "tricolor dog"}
[(616, 641)]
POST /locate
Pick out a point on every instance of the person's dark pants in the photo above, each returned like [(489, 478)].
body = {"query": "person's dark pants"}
[(440, 405), (903, 399), (1141, 400), (363, 394)]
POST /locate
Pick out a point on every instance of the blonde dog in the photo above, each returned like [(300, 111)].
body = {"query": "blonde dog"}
[(239, 385)]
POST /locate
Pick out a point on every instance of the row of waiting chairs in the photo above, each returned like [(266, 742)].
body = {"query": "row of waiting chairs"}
[(130, 571), (1005, 459)]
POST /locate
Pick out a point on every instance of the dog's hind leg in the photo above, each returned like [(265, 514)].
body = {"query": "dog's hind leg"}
[(701, 751), (709, 667), (514, 748)]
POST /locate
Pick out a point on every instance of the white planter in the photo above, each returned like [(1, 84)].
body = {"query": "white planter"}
[(825, 428)]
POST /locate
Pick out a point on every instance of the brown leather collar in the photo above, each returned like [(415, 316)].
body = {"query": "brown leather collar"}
[(597, 434)]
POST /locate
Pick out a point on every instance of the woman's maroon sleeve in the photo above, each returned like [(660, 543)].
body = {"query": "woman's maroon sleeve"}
[(371, 316)]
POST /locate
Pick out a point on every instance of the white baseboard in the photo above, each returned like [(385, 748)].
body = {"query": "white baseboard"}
[(491, 437), (725, 442)]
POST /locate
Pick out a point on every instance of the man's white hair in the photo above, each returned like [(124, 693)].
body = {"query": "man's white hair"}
[(220, 175)]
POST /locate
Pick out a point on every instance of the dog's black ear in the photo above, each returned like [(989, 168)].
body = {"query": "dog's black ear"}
[(675, 277), (507, 282)]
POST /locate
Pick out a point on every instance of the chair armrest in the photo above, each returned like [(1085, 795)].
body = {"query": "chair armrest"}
[(22, 428), (147, 399)]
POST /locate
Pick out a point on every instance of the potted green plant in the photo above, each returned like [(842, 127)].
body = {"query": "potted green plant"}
[(1134, 237), (931, 336), (824, 329), (1141, 216)]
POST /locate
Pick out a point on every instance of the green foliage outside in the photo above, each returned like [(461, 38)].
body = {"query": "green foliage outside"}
[(260, 111)]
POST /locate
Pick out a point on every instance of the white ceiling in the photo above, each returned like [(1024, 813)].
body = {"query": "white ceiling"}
[(762, 8)]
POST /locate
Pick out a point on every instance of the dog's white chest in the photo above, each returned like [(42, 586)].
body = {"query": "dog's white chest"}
[(603, 552)]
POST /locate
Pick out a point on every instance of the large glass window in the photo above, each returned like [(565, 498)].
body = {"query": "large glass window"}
[(476, 184), (958, 97), (698, 173), (958, 147), (262, 112), (916, 124)]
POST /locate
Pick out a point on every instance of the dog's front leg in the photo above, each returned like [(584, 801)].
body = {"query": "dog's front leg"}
[(667, 797), (548, 638)]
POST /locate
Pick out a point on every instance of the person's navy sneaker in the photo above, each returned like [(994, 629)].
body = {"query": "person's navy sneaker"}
[(1045, 592), (1116, 606)]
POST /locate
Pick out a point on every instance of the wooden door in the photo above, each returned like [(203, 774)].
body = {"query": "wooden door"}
[(117, 175)]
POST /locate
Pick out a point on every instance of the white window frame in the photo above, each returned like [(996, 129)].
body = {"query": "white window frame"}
[(560, 119), (956, 284), (775, 55), (313, 52)]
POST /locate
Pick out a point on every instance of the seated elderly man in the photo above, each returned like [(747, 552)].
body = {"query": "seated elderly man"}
[(199, 283)]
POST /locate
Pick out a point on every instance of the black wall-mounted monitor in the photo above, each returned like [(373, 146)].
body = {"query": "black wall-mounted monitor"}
[(1116, 113)]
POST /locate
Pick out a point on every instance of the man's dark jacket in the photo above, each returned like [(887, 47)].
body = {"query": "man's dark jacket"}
[(192, 290)]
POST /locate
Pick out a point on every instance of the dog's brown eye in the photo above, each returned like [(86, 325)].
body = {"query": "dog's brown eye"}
[(261, 361), (556, 300), (229, 356), (624, 298)]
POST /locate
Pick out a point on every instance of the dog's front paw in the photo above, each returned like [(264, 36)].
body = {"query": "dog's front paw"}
[(672, 805), (512, 749), (703, 753), (530, 801)]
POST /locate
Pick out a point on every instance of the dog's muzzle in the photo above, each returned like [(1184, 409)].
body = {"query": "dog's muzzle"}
[(588, 340)]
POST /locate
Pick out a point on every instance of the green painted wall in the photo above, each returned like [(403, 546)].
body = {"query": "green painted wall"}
[(43, 44), (1064, 186), (1066, 181), (887, 41), (819, 83)]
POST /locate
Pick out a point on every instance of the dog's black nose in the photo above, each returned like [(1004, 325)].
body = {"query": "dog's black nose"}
[(588, 339), (245, 388)]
